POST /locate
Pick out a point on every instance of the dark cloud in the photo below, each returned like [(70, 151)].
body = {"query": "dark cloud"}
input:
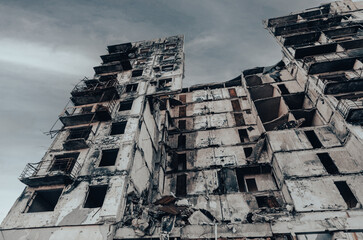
[(48, 46)]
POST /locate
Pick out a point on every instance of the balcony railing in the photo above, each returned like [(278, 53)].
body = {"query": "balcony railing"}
[(57, 171), (352, 111)]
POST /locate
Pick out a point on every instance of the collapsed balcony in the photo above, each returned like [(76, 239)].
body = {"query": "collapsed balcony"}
[(61, 170), (77, 115), (94, 91)]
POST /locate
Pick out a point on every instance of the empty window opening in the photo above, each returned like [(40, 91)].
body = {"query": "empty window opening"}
[(86, 109), (131, 87), (235, 105), (328, 163), (248, 111), (126, 105), (248, 151), (182, 124), (64, 163), (163, 83), (283, 89), (182, 162), (240, 180), (137, 73), (181, 141), (118, 128), (96, 196), (346, 193), (44, 200), (313, 139), (77, 133), (243, 135), (238, 117), (251, 185), (232, 92), (181, 185), (183, 98), (182, 111), (267, 201), (108, 157)]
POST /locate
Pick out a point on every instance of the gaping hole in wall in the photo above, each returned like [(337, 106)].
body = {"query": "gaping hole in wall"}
[(182, 124), (183, 98), (108, 157), (182, 162), (232, 92), (137, 73), (77, 133), (253, 80), (243, 135), (238, 117), (295, 101), (132, 87), (118, 128), (43, 200), (276, 108), (309, 117), (313, 139), (181, 141), (248, 151), (346, 193), (165, 83), (96, 196), (64, 163), (251, 185), (241, 180), (267, 202), (236, 105), (182, 111), (283, 89), (328, 163), (126, 105), (181, 185), (260, 92)]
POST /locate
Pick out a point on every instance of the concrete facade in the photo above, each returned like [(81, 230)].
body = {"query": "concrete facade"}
[(274, 153)]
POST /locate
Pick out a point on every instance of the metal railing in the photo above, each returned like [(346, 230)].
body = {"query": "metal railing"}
[(89, 87), (61, 166), (345, 105)]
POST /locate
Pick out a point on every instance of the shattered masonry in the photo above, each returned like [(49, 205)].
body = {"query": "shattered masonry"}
[(275, 153)]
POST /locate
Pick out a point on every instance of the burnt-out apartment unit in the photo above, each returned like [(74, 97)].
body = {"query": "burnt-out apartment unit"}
[(275, 153)]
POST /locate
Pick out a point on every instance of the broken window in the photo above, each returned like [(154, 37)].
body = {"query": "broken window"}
[(108, 157), (248, 151), (232, 92), (64, 163), (163, 83), (313, 139), (132, 87), (182, 111), (267, 201), (182, 162), (43, 200), (346, 193), (77, 133), (181, 141), (328, 163), (96, 196), (235, 105), (238, 117), (182, 124), (251, 185), (183, 98), (126, 105), (137, 73), (283, 89), (118, 128), (181, 185), (243, 135)]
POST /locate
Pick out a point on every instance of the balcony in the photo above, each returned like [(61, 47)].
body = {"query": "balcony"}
[(77, 138), (94, 91), (351, 110), (61, 170), (77, 115)]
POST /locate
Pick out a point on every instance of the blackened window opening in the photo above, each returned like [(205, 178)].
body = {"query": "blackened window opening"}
[(267, 201), (240, 180), (283, 89), (96, 196), (77, 133), (346, 193), (181, 185), (44, 200), (238, 117), (182, 111), (328, 163), (126, 105), (251, 185), (131, 87), (248, 151), (313, 139), (243, 135), (182, 124), (137, 73), (118, 128), (108, 157), (182, 162), (64, 163), (181, 141)]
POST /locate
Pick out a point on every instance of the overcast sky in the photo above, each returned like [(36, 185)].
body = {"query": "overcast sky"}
[(46, 47)]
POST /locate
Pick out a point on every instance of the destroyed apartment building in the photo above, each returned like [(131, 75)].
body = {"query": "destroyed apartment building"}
[(275, 153)]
